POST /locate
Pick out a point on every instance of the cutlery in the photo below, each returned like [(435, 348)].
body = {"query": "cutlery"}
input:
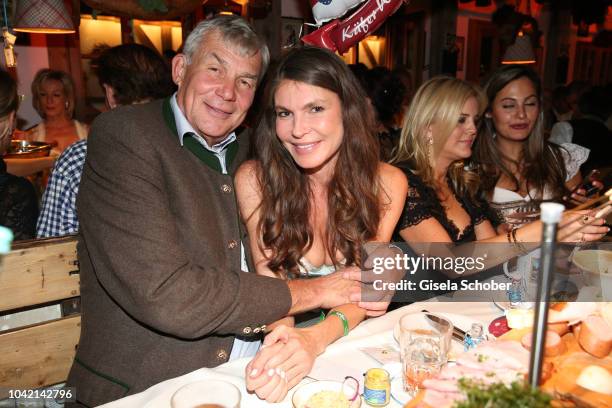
[(458, 334)]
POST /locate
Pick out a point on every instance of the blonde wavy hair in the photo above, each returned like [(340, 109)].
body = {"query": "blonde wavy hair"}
[(438, 104)]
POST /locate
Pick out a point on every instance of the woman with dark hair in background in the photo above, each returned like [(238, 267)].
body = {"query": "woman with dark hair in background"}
[(18, 201), (314, 196), (53, 98), (518, 167)]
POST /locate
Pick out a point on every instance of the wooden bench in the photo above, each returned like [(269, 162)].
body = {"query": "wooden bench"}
[(34, 274)]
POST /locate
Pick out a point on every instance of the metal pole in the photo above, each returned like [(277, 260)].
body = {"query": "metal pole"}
[(551, 215)]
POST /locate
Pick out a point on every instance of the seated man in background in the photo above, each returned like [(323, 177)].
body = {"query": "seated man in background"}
[(128, 74)]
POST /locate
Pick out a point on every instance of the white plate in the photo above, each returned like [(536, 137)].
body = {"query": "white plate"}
[(462, 322), (304, 392)]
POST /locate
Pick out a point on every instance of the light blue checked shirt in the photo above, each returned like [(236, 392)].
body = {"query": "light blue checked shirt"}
[(58, 214)]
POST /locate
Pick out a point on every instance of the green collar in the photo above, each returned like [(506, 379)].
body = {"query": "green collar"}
[(190, 143)]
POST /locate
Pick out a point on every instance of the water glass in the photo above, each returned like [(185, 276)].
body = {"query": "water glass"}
[(207, 393), (424, 347)]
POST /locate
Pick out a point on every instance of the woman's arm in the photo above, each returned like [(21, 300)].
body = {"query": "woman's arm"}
[(301, 346), (248, 194)]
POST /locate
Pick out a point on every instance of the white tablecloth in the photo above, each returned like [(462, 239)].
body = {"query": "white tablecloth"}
[(340, 359)]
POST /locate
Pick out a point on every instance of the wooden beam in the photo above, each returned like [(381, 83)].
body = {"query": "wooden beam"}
[(39, 355), (44, 272)]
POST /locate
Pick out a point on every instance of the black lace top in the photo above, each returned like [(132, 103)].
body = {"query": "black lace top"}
[(18, 204), (423, 203)]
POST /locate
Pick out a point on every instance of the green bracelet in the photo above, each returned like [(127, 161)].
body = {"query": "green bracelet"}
[(322, 316), (342, 317)]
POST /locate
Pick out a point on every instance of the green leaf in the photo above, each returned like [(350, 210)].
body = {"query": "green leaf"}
[(500, 395)]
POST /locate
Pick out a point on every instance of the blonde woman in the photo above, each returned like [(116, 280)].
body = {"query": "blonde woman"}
[(444, 203), (53, 99)]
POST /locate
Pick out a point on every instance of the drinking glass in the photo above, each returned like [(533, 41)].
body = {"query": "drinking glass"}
[(207, 393), (424, 347)]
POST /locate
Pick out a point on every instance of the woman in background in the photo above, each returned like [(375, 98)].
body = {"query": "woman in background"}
[(444, 204), (518, 167), (18, 201), (53, 98), (315, 195)]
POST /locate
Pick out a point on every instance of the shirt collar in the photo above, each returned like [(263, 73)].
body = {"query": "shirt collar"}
[(183, 127)]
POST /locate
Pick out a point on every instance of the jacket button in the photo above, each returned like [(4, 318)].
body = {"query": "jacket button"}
[(263, 327), (232, 244), (226, 188), (222, 354), (257, 330), (247, 330)]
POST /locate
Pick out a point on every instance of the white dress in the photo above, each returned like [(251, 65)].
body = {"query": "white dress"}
[(507, 202)]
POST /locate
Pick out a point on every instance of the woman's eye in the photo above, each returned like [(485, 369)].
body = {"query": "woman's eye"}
[(282, 114), (317, 109), (462, 120), (508, 106)]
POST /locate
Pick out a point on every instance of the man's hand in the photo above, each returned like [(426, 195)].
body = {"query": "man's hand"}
[(380, 265), (286, 357), (323, 292)]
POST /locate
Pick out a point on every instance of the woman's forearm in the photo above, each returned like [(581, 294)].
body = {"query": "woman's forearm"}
[(332, 328)]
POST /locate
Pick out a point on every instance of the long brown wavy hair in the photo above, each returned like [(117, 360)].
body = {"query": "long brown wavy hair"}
[(543, 164), (439, 102), (353, 203)]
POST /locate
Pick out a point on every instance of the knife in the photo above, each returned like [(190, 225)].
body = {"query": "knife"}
[(458, 333)]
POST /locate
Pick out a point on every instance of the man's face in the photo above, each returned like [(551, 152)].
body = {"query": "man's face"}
[(216, 90)]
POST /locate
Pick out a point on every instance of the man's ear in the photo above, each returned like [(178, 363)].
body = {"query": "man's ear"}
[(109, 92), (179, 65)]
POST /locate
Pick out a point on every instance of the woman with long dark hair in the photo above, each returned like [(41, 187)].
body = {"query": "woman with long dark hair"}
[(518, 167), (316, 194)]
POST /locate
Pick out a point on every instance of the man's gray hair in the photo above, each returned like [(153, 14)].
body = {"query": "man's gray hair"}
[(235, 31)]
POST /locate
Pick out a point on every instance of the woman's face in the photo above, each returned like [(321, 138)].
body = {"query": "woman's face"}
[(309, 124), (515, 110), (458, 146), (52, 98)]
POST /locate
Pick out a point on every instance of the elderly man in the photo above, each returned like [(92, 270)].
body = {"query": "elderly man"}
[(161, 250)]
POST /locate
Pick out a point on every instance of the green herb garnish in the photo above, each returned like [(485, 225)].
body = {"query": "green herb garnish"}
[(500, 395)]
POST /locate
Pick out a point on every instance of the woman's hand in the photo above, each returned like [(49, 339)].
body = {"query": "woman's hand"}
[(285, 358), (582, 226), (580, 195)]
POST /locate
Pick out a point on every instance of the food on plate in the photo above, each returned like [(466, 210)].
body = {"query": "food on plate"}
[(500, 395), (571, 312), (596, 379), (595, 336), (328, 399), (561, 328), (605, 309), (501, 361), (552, 347), (519, 318)]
